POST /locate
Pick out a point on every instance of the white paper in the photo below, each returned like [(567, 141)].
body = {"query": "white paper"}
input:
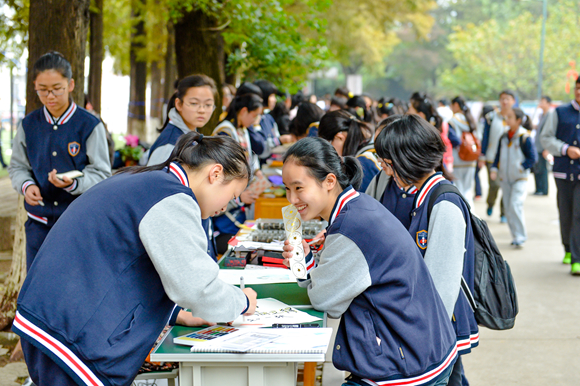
[(271, 311), (256, 276)]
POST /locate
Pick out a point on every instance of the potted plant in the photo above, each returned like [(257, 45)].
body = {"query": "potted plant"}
[(132, 151)]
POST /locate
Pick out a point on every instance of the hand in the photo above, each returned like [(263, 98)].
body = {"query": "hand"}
[(252, 297), (288, 251), (493, 175), (53, 179), (320, 237), (573, 152), (545, 154), (248, 197), (481, 164), (32, 195), (185, 318)]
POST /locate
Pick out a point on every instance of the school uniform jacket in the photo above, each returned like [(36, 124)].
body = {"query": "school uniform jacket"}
[(75, 141), (394, 329), (515, 157), (492, 130), (160, 153), (561, 131), (370, 165), (447, 245), (397, 200), (100, 291)]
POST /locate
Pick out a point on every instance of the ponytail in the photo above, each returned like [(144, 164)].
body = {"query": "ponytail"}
[(358, 134), (423, 104), (466, 112), (170, 105), (194, 150), (321, 159), (251, 102)]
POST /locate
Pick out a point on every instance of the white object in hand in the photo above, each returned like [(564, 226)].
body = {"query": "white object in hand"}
[(293, 228), (72, 174)]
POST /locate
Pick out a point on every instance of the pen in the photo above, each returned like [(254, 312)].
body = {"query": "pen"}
[(314, 241), (242, 287)]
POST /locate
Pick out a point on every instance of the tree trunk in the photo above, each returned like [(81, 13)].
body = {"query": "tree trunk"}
[(156, 92), (49, 30), (170, 66), (70, 40), (17, 273), (199, 49), (96, 53), (138, 75)]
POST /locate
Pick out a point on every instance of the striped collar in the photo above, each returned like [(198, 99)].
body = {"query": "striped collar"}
[(178, 171), (426, 188), (575, 105), (344, 197), (64, 118), (412, 189)]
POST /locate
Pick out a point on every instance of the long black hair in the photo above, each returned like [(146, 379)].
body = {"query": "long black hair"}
[(358, 133), (413, 145), (249, 101), (423, 104), (526, 121), (321, 159), (181, 88), (194, 150), (281, 115), (307, 114), (52, 60), (465, 110)]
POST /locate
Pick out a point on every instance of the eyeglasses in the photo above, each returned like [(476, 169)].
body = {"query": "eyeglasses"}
[(55, 92), (196, 106)]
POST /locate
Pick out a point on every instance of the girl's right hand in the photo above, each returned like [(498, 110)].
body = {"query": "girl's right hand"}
[(493, 175), (287, 254), (32, 195), (248, 197)]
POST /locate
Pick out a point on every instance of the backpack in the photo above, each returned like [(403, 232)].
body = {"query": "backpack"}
[(470, 147), (494, 299)]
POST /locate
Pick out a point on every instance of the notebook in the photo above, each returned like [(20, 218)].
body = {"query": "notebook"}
[(270, 341)]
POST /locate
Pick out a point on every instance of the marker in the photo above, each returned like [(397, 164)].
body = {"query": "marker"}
[(295, 325), (40, 202), (242, 287), (314, 241)]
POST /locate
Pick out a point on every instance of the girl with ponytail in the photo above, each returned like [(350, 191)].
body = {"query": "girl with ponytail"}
[(351, 137), (413, 150), (379, 286), (189, 109), (143, 251)]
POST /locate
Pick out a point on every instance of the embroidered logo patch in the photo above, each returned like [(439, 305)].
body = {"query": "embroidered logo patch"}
[(74, 148), (422, 239)]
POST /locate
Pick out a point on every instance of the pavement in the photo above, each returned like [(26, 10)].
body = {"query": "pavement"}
[(544, 346)]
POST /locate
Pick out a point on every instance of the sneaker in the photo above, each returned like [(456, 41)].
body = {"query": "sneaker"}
[(517, 245), (489, 211), (503, 220), (567, 258), (575, 269)]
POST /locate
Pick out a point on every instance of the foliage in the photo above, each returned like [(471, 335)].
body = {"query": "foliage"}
[(13, 27)]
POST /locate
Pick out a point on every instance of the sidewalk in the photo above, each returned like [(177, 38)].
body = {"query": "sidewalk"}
[(544, 346)]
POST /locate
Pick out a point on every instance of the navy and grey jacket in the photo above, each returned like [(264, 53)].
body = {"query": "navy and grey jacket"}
[(493, 129), (106, 280), (394, 329), (75, 141), (515, 157), (367, 157), (561, 131), (447, 245), (397, 200)]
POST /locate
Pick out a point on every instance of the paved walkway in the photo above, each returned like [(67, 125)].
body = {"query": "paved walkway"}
[(544, 346)]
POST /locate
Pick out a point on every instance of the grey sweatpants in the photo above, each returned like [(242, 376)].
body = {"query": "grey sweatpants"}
[(464, 181), (514, 195)]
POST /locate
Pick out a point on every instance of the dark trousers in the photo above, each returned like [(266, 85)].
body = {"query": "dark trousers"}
[(569, 208), (493, 191), (541, 175), (477, 181), (42, 370), (35, 234)]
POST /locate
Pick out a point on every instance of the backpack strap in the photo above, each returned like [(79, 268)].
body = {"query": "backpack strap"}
[(439, 190)]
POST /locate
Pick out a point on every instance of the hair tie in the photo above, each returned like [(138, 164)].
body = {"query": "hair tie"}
[(360, 112), (197, 140), (390, 106), (432, 121), (350, 94), (380, 105), (200, 138)]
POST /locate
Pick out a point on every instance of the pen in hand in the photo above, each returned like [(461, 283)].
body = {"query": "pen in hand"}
[(242, 287)]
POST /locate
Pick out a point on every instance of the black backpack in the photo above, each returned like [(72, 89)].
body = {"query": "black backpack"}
[(494, 300)]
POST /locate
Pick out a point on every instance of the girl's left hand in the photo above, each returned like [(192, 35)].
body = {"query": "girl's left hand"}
[(53, 179), (185, 318)]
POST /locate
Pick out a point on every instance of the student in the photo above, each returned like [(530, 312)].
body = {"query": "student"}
[(544, 157), (414, 150), (351, 137), (337, 103), (57, 138), (385, 109), (421, 105), (305, 124), (281, 115), (384, 188), (515, 156), (242, 113), (190, 109), (494, 128), (394, 327), (357, 106), (463, 171)]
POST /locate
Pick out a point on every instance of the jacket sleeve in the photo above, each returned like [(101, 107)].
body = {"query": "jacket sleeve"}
[(446, 250), (99, 167), (495, 164), (548, 138), (341, 275), (19, 169), (529, 150), (174, 239), (485, 137), (454, 135)]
